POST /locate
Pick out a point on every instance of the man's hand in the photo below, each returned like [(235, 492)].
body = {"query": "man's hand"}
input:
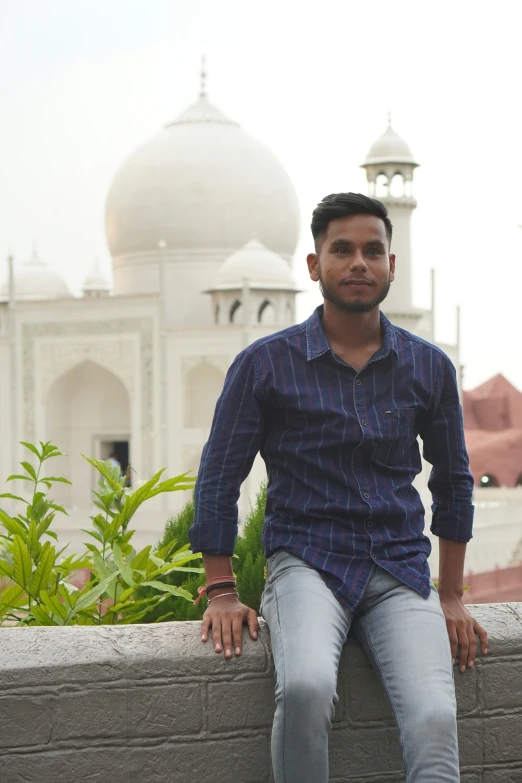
[(461, 631), (226, 616)]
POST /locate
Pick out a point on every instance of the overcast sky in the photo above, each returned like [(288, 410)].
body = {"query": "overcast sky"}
[(84, 82)]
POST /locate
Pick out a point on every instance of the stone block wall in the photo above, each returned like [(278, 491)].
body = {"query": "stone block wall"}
[(151, 704)]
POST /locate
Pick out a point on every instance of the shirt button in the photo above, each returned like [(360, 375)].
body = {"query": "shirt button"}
[(370, 524), (364, 422), (357, 453), (366, 495), (358, 382)]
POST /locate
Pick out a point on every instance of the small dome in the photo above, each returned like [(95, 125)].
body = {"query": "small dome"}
[(96, 281), (35, 281), (201, 184), (389, 148), (255, 263)]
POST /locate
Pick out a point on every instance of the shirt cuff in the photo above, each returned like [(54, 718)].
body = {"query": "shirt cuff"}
[(454, 521), (213, 539)]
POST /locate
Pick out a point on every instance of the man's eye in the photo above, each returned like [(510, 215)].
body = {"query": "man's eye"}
[(342, 250), (374, 252)]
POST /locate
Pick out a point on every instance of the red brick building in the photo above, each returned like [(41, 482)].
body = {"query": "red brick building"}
[(493, 424)]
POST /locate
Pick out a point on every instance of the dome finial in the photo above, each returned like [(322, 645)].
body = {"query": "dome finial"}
[(203, 77), (389, 119)]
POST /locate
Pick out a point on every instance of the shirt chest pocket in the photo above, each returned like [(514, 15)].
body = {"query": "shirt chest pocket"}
[(395, 433)]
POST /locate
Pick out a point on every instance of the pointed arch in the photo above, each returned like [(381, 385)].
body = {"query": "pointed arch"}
[(266, 313), (84, 405), (232, 316)]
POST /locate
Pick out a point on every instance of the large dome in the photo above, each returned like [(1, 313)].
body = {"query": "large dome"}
[(202, 183)]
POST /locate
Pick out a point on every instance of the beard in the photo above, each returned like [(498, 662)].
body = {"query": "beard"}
[(354, 307)]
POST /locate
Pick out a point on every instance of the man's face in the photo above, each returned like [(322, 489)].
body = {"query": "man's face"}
[(352, 264)]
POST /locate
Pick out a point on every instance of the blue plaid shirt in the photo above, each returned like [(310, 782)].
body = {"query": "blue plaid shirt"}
[(341, 453)]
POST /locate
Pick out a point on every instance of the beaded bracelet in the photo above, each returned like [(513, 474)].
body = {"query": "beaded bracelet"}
[(221, 581)]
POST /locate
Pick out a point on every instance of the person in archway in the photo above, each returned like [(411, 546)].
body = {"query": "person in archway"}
[(335, 406)]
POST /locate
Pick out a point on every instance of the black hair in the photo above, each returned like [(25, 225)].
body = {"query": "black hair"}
[(340, 205)]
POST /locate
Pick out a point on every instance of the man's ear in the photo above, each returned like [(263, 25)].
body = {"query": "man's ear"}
[(312, 259), (392, 267)]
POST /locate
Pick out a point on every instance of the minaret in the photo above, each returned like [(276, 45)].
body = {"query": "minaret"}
[(389, 168)]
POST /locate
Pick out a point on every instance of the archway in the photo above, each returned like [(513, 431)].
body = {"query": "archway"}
[(266, 313), (203, 385), (86, 409)]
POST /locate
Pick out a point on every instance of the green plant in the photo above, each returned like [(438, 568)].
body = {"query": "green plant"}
[(36, 587), (249, 561)]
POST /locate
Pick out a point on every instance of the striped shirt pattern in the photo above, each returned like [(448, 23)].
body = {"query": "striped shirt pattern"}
[(341, 450)]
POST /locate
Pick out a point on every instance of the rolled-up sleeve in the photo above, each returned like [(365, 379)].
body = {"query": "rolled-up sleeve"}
[(451, 482), (235, 439)]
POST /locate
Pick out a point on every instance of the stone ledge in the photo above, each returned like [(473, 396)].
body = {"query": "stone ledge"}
[(152, 704)]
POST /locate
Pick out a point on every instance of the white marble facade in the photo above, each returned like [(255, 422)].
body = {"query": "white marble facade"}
[(202, 224)]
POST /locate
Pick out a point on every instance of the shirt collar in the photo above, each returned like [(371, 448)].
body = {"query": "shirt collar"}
[(317, 344)]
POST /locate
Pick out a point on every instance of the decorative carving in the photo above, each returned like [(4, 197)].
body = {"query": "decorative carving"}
[(221, 363), (57, 358), (102, 350)]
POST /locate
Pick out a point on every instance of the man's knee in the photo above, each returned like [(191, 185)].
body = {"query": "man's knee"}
[(313, 694), (434, 720)]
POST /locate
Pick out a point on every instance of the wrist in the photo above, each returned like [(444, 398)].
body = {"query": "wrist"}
[(449, 593)]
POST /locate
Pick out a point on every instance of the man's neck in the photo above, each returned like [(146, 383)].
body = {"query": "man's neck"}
[(351, 331)]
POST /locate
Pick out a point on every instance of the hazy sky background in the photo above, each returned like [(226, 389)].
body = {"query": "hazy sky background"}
[(84, 82)]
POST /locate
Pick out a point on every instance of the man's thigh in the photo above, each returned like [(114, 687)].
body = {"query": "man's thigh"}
[(406, 639), (308, 626)]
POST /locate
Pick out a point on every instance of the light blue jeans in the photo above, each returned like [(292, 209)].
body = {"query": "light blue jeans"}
[(406, 641)]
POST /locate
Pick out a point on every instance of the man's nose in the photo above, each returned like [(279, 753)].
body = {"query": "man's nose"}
[(358, 260)]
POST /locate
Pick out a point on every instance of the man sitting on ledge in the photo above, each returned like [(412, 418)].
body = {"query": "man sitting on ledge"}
[(335, 406)]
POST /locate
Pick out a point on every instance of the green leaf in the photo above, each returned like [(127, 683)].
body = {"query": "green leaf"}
[(32, 448), (13, 497), (41, 616), (166, 588), (21, 562), (29, 469), (91, 596), (123, 567), (14, 526), (58, 479), (136, 498), (32, 539), (106, 471), (17, 477), (142, 558), (6, 569), (40, 578), (10, 597), (53, 605), (58, 508), (102, 567), (94, 534)]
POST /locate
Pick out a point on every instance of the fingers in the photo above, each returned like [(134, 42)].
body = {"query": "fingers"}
[(482, 635), (205, 626), (472, 648), (216, 634), (463, 646), (226, 635), (253, 623), (237, 632)]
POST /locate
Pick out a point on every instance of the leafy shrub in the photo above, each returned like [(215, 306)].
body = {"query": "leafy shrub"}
[(249, 562), (36, 582)]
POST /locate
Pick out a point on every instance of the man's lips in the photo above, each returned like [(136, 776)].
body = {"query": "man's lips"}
[(356, 282)]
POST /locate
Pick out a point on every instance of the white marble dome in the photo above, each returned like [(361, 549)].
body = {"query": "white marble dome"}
[(202, 183), (255, 263), (389, 148), (35, 281)]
